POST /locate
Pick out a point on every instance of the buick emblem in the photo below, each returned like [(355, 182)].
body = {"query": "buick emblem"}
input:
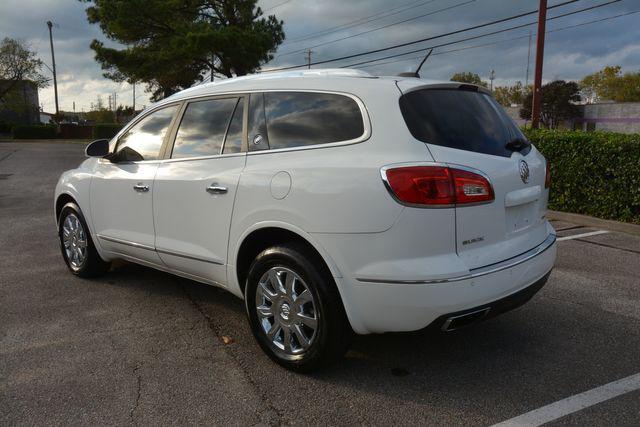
[(524, 171)]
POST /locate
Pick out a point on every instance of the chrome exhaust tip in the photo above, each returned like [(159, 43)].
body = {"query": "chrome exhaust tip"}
[(456, 322)]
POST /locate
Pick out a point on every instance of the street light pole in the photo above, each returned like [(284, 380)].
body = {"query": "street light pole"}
[(537, 81), (53, 62)]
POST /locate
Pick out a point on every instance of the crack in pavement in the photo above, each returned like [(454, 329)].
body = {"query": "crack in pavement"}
[(604, 245), (218, 333), (8, 155), (137, 401)]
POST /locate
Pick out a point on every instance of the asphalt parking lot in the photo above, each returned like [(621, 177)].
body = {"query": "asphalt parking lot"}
[(139, 346)]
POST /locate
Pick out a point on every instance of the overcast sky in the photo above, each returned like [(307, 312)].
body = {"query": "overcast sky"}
[(570, 52)]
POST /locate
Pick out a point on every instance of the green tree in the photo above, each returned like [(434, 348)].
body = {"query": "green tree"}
[(610, 83), (467, 77), (102, 115), (509, 95), (171, 44), (556, 105), (17, 63), (124, 114)]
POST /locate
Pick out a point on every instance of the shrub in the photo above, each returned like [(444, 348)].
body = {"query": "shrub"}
[(105, 130), (593, 173), (5, 127), (34, 131)]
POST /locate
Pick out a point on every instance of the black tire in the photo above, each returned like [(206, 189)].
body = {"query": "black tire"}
[(91, 265), (333, 333)]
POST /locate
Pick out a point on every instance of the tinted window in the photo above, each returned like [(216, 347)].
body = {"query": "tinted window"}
[(233, 141), (144, 140), (463, 119), (258, 138), (203, 127), (297, 119)]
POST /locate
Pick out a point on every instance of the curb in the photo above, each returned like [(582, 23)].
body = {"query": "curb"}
[(589, 221)]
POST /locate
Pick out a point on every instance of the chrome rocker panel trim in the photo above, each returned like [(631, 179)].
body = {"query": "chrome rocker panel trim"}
[(158, 250)]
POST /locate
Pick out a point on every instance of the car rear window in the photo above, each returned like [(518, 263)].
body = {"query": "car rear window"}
[(459, 118)]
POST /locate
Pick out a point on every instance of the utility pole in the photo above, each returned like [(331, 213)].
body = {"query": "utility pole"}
[(134, 96), (492, 77), (110, 103), (526, 80), (115, 103), (53, 62), (74, 106), (537, 80), (308, 56)]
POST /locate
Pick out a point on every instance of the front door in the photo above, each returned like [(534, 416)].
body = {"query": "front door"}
[(195, 189), (122, 189)]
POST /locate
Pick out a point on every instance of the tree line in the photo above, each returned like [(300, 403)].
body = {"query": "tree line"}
[(560, 98)]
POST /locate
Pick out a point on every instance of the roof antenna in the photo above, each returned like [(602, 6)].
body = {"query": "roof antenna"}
[(415, 73)]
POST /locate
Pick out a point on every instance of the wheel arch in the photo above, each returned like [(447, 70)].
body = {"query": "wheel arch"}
[(266, 235), (61, 201)]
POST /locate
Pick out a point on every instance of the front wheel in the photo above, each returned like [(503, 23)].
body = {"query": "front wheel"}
[(78, 250), (294, 308)]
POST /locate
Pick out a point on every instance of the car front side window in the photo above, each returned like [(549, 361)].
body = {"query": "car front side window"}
[(143, 140)]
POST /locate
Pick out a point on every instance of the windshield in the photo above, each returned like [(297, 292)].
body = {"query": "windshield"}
[(459, 118)]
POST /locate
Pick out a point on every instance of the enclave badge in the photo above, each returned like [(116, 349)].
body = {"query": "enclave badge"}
[(524, 171)]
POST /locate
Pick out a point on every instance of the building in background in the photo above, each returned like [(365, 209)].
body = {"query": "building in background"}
[(20, 105), (623, 117)]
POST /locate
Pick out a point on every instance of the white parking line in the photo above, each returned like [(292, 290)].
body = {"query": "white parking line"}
[(574, 403), (577, 236)]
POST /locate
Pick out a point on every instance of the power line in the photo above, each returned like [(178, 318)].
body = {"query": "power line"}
[(360, 21), (480, 35), (444, 52), (452, 33), (379, 28), (278, 5)]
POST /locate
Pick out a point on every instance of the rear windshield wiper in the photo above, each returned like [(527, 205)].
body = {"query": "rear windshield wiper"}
[(517, 144)]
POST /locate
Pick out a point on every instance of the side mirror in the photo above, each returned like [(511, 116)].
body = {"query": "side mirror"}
[(97, 148)]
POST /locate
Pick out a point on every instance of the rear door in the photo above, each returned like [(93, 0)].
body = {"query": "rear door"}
[(195, 189), (466, 126)]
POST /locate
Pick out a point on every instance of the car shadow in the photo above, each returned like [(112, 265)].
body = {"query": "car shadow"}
[(548, 348)]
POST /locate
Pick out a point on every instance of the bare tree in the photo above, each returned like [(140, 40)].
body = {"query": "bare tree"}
[(18, 63)]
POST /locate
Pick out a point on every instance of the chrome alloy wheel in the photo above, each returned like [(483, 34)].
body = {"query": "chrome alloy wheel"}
[(286, 310), (74, 240)]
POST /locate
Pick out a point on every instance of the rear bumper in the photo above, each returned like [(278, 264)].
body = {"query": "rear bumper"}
[(453, 321), (394, 306)]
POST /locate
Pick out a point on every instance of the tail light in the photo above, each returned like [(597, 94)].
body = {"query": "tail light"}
[(547, 176), (437, 185)]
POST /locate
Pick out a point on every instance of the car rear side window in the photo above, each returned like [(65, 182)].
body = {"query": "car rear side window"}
[(459, 118), (144, 139), (203, 128), (296, 119)]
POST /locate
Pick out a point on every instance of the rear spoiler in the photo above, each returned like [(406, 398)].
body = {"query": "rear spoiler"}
[(448, 85)]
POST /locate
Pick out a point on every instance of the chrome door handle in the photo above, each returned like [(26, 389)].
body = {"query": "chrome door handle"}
[(141, 188), (216, 189)]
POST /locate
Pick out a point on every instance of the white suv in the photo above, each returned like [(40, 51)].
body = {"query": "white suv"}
[(331, 201)]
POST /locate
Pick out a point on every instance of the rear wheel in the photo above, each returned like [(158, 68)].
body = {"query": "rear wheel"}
[(294, 309), (78, 250)]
